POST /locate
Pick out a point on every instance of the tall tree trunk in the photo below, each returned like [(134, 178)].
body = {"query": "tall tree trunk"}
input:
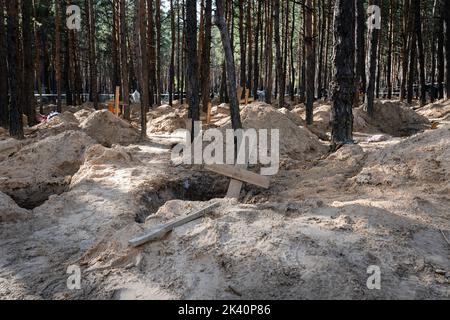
[(93, 89), (145, 102), (58, 54), (4, 108), (206, 56), (405, 48), (124, 60), (256, 56), (242, 46), (249, 46), (446, 15), (172, 54), (192, 62), (229, 61), (28, 86), (372, 69), (343, 73), (360, 46), (412, 54), (158, 51), (392, 12), (420, 50), (278, 57), (310, 61), (15, 110)]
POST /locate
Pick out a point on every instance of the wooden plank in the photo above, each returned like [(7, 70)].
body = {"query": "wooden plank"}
[(208, 114), (159, 231), (243, 175), (117, 100)]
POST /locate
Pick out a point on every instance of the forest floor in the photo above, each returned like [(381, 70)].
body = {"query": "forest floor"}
[(79, 187)]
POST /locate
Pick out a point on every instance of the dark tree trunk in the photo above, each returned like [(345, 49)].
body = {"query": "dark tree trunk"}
[(242, 46), (420, 50), (249, 46), (372, 67), (28, 85), (343, 87), (278, 57), (58, 54), (256, 57), (392, 12), (229, 61), (15, 110), (310, 62), (145, 99), (158, 51), (405, 48), (360, 45), (93, 90), (446, 15), (4, 109), (192, 62), (124, 60), (206, 56)]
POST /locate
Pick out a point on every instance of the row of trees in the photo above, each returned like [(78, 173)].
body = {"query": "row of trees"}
[(282, 49)]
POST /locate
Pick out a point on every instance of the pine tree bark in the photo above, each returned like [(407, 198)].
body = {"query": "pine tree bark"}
[(360, 45), (93, 88), (124, 60), (28, 85), (144, 70), (4, 108), (229, 61), (310, 61), (172, 54), (58, 54), (192, 62), (278, 57), (372, 67), (420, 50), (256, 56), (206, 56), (158, 52), (446, 15), (15, 111), (343, 87)]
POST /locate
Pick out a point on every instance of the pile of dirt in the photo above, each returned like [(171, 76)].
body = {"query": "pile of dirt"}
[(63, 122), (10, 211), (168, 123), (419, 159), (41, 169), (108, 129), (295, 142), (160, 111), (83, 114), (395, 118), (437, 110)]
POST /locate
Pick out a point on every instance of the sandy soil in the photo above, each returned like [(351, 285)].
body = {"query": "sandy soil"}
[(83, 193)]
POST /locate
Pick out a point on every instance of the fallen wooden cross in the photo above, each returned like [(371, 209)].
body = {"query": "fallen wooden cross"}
[(161, 230), (239, 175)]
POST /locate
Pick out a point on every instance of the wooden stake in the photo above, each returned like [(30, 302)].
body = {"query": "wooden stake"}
[(161, 230), (208, 114), (117, 101)]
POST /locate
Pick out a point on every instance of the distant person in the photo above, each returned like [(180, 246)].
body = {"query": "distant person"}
[(135, 97)]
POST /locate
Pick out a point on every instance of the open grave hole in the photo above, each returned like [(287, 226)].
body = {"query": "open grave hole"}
[(201, 186)]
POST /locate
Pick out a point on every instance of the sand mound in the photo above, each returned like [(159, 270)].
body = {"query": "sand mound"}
[(9, 210), (167, 123), (295, 142), (108, 129), (63, 122), (43, 168), (161, 110), (83, 114), (395, 118), (439, 109), (418, 159)]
